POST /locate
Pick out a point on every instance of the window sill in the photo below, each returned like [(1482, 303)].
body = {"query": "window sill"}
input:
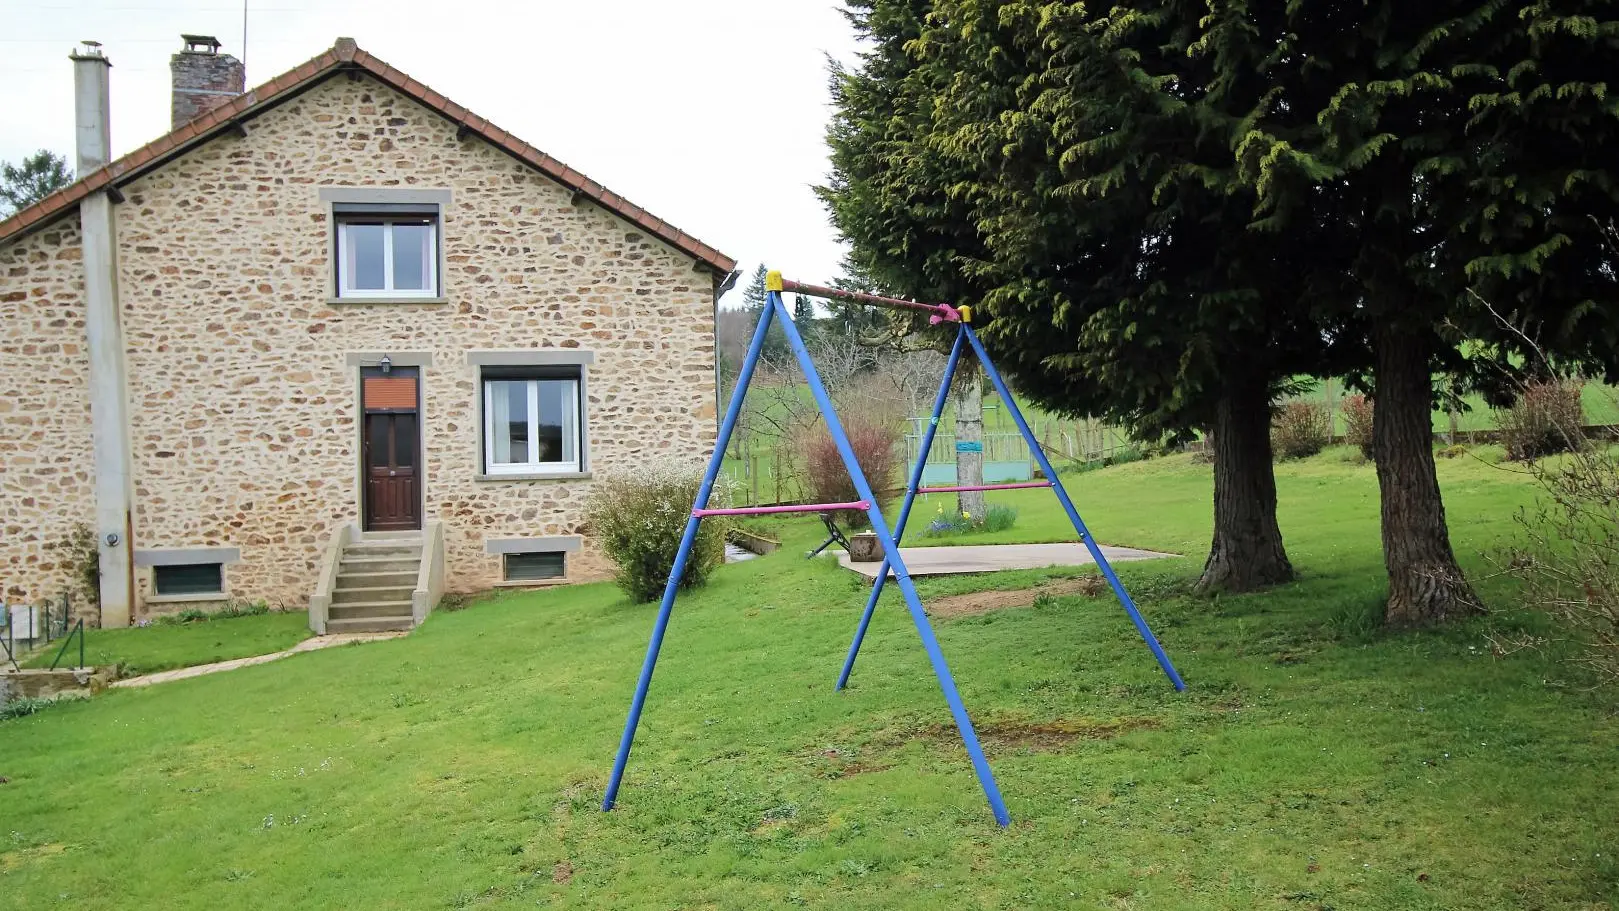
[(537, 583), (535, 476), (353, 301), (180, 599)]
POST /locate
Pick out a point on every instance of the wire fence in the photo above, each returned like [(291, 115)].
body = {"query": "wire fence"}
[(25, 627)]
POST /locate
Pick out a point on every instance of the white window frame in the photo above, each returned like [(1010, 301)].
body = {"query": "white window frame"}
[(345, 257), (491, 467)]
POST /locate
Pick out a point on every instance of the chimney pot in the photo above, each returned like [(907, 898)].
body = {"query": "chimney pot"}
[(203, 79)]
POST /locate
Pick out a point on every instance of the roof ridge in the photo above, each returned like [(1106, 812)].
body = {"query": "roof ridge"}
[(345, 52)]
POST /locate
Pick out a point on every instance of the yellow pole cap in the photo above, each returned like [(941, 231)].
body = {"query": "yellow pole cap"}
[(966, 314), (772, 281)]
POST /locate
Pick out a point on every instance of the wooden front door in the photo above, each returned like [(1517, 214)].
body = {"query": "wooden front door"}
[(392, 450)]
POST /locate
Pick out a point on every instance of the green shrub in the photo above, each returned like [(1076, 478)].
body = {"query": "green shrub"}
[(995, 518), (1545, 419), (1358, 424), (1300, 430), (27, 705), (998, 518), (639, 519), (1568, 559), (198, 615)]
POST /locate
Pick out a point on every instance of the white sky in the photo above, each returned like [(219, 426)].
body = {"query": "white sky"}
[(710, 113)]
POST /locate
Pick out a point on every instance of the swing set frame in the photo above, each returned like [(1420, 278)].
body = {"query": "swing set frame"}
[(893, 563)]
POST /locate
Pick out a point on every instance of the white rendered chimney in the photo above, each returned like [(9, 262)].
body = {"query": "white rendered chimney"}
[(91, 107)]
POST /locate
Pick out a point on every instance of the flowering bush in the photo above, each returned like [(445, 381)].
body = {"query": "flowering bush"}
[(639, 519), (876, 446), (1300, 430), (1545, 419), (1358, 424)]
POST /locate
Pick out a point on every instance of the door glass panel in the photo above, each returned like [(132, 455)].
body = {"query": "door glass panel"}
[(405, 440), (363, 244), (376, 440), (413, 262)]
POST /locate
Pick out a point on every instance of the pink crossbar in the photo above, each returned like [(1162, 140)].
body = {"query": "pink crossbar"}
[(1018, 486), (763, 510)]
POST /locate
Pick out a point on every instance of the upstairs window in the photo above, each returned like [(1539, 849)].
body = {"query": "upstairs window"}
[(387, 251), (532, 421)]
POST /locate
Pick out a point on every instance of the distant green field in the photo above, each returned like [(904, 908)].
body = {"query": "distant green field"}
[(1601, 407), (1601, 404)]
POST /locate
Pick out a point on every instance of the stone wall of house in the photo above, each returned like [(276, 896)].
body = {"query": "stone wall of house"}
[(245, 412), (46, 457)]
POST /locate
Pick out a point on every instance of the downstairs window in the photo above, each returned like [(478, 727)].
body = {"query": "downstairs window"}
[(535, 567), (189, 579)]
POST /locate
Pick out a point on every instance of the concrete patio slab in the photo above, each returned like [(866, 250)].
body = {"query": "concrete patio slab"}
[(989, 558)]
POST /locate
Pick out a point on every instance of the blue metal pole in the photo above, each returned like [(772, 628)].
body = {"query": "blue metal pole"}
[(681, 556), (1073, 514), (904, 509), (902, 576)]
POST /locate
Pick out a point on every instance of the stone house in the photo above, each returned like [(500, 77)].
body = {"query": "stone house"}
[(336, 341)]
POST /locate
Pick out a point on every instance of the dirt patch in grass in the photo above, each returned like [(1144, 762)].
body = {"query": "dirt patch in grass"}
[(957, 606), (996, 734), (16, 860), (1040, 736), (836, 763)]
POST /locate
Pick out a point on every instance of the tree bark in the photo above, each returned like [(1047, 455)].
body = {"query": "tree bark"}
[(969, 429), (1426, 585), (1247, 551)]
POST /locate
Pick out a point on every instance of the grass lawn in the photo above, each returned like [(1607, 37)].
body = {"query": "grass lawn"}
[(145, 650), (1310, 764)]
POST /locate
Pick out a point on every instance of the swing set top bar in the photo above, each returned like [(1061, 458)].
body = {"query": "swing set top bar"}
[(940, 312), (1018, 486), (763, 510)]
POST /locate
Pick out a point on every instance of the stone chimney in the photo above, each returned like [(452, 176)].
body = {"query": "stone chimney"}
[(92, 107), (203, 79)]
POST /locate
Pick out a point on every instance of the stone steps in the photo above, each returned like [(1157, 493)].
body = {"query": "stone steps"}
[(400, 579), (375, 578), (349, 591), (368, 624), (368, 610), (384, 564)]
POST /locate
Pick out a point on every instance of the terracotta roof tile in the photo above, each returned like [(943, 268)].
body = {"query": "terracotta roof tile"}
[(344, 51)]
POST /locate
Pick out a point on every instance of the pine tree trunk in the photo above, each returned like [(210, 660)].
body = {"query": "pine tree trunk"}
[(1425, 584), (969, 429), (1247, 551)]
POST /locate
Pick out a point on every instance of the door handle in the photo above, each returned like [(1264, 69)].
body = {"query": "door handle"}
[(391, 473)]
